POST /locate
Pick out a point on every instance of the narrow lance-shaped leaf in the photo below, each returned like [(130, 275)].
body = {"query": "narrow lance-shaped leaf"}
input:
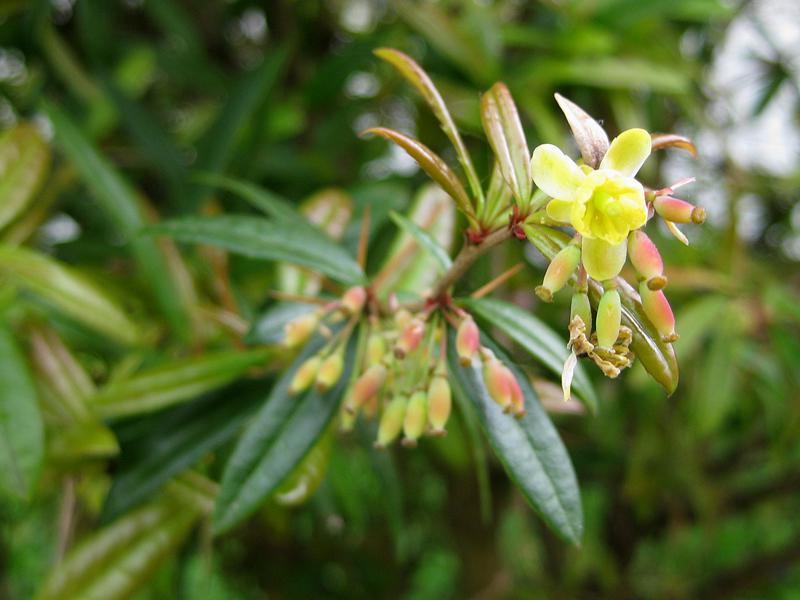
[(123, 208), (592, 139), (280, 436), (117, 560), (69, 292), (536, 338), (179, 381), (24, 161), (507, 138), (21, 436), (417, 76), (425, 240), (268, 202), (258, 238), (434, 166), (529, 448)]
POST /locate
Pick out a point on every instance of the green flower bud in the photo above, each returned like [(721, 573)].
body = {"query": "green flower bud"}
[(439, 403), (559, 271), (581, 307), (391, 422), (376, 349), (304, 376), (366, 387), (330, 371), (468, 340), (609, 317), (410, 337), (298, 330), (415, 418), (354, 299)]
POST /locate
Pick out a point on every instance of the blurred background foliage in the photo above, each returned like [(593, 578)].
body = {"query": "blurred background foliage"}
[(690, 496)]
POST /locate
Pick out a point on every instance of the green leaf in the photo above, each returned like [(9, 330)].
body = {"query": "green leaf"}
[(117, 560), (259, 238), (68, 291), (529, 448), (507, 138), (268, 202), (159, 447), (536, 338), (175, 382), (21, 435), (125, 211), (280, 436), (24, 161), (216, 147), (425, 241), (433, 165), (409, 69), (409, 266)]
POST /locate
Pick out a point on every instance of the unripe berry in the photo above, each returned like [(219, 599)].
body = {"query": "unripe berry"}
[(603, 260), (646, 259), (679, 211), (410, 337), (391, 422), (305, 374), (354, 299), (376, 349), (415, 418), (559, 271), (366, 387), (657, 308), (609, 317), (439, 403), (468, 340), (330, 371), (298, 330), (495, 376), (581, 307)]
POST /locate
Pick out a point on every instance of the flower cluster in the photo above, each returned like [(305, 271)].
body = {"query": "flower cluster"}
[(401, 373), (607, 207)]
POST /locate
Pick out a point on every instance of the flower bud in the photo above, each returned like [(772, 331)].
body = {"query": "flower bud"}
[(679, 211), (409, 338), (415, 418), (580, 307), (376, 349), (560, 270), (646, 259), (347, 418), (366, 387), (354, 299), (330, 371), (391, 421), (496, 378), (657, 308), (609, 317), (603, 260), (517, 399), (305, 375), (298, 330), (468, 340), (439, 403)]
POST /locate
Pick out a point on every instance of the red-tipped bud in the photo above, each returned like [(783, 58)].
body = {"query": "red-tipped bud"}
[(581, 307), (305, 374), (468, 340), (330, 371), (498, 384), (298, 330), (678, 211), (517, 399), (415, 418), (410, 337), (560, 270), (354, 299), (366, 387), (658, 310), (440, 403), (376, 349), (609, 317), (391, 421), (646, 259)]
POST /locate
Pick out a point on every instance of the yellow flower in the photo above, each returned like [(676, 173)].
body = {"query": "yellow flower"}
[(603, 204)]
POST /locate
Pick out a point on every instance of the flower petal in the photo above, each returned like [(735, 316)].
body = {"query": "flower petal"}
[(603, 260), (559, 210), (554, 172), (628, 152)]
